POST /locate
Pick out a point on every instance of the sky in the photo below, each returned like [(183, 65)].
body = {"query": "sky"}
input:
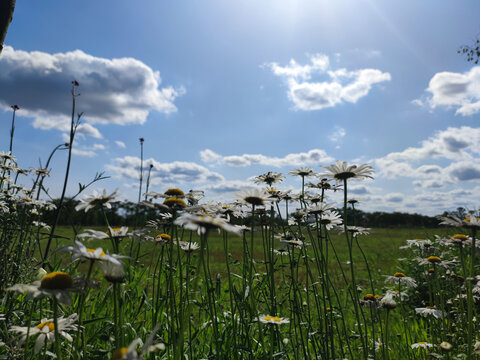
[(223, 91)]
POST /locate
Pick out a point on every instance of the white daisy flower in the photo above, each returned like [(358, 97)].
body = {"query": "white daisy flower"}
[(303, 172), (255, 197), (188, 246), (268, 319), (112, 272), (269, 178), (45, 330), (357, 230), (400, 278), (331, 219), (202, 223), (97, 199), (429, 310), (131, 352), (342, 171), (57, 283), (421, 345), (90, 254)]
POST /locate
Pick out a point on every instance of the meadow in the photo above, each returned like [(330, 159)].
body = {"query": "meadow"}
[(270, 275)]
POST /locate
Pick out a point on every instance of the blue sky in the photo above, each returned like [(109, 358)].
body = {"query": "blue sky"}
[(226, 90)]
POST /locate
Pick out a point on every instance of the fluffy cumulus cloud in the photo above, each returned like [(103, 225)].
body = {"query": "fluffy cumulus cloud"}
[(177, 172), (312, 157), (456, 90), (458, 146), (113, 91), (338, 86)]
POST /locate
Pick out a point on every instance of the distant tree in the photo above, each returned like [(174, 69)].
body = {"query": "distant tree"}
[(472, 52)]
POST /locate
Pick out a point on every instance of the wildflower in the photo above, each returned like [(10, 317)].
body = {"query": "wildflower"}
[(280, 251), (40, 172), (112, 272), (175, 203), (174, 192), (452, 220), (388, 302), (357, 230), (45, 330), (97, 200), (267, 319), (421, 345), (203, 223), (420, 243), (188, 246), (269, 178), (303, 172), (331, 219), (254, 197), (90, 254), (321, 208), (342, 171), (57, 283), (163, 239), (430, 310), (446, 346), (400, 278), (294, 243), (131, 352), (369, 300), (434, 259)]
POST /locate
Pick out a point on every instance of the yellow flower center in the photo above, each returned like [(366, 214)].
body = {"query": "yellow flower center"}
[(93, 250), (57, 280), (399, 274), (460, 237), (50, 325), (431, 270), (369, 297), (434, 259), (117, 355), (430, 307), (174, 192), (274, 318), (328, 309), (164, 237), (175, 202), (421, 342)]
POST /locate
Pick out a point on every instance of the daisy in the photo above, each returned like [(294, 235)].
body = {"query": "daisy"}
[(341, 171), (294, 243), (303, 172), (202, 223), (267, 319), (98, 199), (269, 178), (321, 208), (331, 219), (388, 302), (357, 230), (280, 251), (188, 246), (57, 283), (131, 352), (175, 203), (254, 197), (421, 345), (174, 192), (430, 310), (400, 278), (420, 243), (194, 196), (45, 330), (452, 220), (82, 251), (163, 239), (112, 272)]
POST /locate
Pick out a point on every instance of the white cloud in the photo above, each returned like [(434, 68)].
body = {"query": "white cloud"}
[(98, 147), (228, 186), (342, 86), (85, 153), (454, 144), (338, 134), (456, 90), (209, 156), (177, 172), (313, 156), (113, 91), (120, 144)]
